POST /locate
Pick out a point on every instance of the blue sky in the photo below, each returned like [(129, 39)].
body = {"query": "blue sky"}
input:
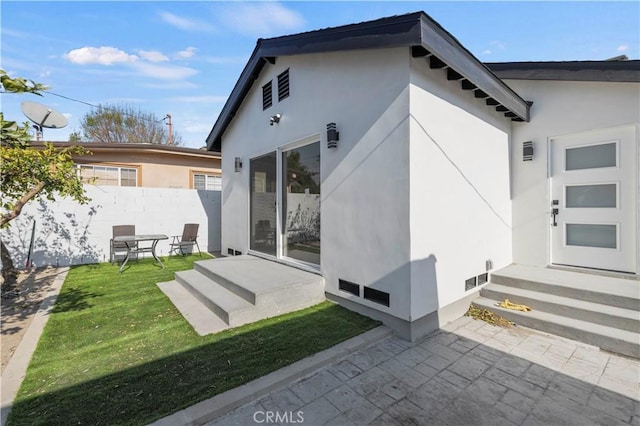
[(183, 58)]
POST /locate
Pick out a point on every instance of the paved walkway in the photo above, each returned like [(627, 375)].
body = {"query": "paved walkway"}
[(470, 373)]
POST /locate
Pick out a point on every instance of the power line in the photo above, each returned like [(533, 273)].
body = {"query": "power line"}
[(103, 107)]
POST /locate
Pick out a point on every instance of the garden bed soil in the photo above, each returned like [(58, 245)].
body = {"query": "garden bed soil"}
[(20, 306)]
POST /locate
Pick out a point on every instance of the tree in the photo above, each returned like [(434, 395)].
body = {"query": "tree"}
[(29, 173), (124, 124)]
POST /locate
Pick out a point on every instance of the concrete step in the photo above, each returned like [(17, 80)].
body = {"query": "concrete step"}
[(605, 290), (611, 316), (201, 318), (230, 307), (612, 339), (263, 282)]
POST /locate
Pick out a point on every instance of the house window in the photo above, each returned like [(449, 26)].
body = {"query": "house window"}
[(267, 96), (283, 85), (108, 175), (207, 182)]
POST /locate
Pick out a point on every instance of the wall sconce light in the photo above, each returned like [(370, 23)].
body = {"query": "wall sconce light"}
[(527, 151), (333, 136), (238, 164), (275, 119)]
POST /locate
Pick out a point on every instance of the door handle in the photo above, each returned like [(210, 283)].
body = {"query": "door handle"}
[(554, 213)]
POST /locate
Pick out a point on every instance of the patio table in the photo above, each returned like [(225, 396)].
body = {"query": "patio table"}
[(130, 241)]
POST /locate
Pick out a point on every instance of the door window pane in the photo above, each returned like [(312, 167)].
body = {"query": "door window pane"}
[(591, 157), (591, 235), (582, 196), (263, 204), (301, 204)]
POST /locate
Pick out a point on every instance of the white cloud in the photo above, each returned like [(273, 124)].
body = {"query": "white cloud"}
[(104, 55), (186, 53), (186, 23), (153, 56), (497, 44), (261, 19), (622, 48), (487, 52), (164, 72)]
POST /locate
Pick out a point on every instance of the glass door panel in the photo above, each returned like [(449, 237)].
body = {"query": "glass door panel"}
[(263, 204), (301, 203)]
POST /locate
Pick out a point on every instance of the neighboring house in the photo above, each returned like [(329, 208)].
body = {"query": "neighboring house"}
[(156, 188), (439, 168), (148, 165)]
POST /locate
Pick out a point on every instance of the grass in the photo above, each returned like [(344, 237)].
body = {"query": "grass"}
[(116, 352)]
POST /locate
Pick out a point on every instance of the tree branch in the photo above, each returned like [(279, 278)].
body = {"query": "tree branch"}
[(15, 212)]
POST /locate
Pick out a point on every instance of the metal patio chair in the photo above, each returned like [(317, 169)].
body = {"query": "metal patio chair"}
[(188, 239), (116, 248)]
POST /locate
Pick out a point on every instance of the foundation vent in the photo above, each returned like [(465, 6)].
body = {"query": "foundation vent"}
[(483, 278), (349, 287), (230, 252), (376, 296), (470, 283)]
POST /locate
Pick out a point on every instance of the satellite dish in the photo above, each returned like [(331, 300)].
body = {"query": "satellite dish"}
[(43, 116)]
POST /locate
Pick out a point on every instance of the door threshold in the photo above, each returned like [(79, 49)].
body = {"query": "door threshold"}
[(286, 262), (595, 271)]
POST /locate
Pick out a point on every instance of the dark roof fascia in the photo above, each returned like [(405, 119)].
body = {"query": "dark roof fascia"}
[(410, 30), (168, 149), (448, 49), (606, 71)]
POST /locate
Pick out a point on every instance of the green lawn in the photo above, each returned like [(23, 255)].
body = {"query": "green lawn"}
[(116, 351)]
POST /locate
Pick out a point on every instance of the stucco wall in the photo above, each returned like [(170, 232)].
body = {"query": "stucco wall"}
[(364, 182), (68, 233), (460, 200), (559, 108)]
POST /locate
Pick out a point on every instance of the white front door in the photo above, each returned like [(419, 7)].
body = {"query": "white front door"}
[(593, 193)]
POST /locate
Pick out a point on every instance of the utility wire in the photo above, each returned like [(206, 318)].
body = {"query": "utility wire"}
[(102, 107)]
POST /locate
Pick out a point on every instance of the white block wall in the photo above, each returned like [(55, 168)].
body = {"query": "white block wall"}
[(68, 233)]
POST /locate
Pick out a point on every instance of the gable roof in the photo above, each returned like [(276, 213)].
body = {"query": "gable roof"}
[(421, 33), (608, 70)]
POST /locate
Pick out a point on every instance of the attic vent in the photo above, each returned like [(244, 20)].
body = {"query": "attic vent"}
[(267, 95), (376, 296), (283, 85), (349, 287)]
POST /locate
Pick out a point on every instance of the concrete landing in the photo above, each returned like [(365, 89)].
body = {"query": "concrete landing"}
[(596, 309), (232, 291)]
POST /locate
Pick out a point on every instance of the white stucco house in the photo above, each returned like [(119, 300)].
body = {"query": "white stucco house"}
[(388, 159)]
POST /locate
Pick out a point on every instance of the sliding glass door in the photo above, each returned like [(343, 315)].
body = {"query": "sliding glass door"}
[(301, 203), (263, 196)]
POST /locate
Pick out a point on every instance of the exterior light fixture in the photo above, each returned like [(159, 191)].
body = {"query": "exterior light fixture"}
[(527, 151), (238, 164), (275, 119), (333, 136)]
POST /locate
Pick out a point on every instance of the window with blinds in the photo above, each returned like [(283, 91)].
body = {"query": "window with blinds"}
[(108, 175), (207, 182)]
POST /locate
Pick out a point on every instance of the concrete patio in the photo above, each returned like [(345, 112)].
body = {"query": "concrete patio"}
[(469, 373)]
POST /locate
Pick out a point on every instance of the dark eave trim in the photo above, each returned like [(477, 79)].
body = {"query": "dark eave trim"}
[(450, 51), (423, 35), (606, 71)]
